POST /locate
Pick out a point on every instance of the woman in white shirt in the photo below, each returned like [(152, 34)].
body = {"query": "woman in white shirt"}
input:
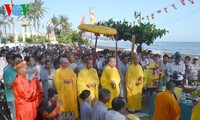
[(46, 77)]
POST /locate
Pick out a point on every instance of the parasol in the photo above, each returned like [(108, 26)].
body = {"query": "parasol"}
[(98, 29)]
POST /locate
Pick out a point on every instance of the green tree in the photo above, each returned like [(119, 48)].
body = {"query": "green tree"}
[(36, 12), (76, 38), (64, 24), (146, 33), (62, 39)]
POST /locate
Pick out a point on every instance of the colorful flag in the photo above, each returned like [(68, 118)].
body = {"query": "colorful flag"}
[(82, 20), (92, 16)]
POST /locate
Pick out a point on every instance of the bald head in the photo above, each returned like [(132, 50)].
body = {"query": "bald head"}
[(136, 59), (170, 85), (112, 61), (64, 62)]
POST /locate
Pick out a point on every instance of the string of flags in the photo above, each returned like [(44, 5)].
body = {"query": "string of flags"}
[(152, 15)]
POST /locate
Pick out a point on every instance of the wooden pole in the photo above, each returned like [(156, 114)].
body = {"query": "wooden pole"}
[(95, 53), (116, 53), (132, 50)]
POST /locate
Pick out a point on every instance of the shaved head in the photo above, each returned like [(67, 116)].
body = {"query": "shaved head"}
[(64, 62)]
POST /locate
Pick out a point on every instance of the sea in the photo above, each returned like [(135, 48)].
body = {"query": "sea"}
[(182, 47)]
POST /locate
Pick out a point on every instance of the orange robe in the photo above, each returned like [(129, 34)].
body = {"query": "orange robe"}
[(166, 107), (28, 96)]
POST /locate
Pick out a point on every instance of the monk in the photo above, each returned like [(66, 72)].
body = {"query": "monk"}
[(27, 94), (134, 85), (110, 79), (65, 84), (88, 80), (195, 112), (166, 106)]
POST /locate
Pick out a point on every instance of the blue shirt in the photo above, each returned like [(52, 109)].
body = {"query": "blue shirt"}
[(99, 111), (86, 111), (9, 76)]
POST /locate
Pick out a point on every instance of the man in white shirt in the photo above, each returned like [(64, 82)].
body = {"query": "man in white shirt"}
[(176, 70), (118, 109), (193, 70)]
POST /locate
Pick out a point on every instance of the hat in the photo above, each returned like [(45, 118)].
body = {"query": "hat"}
[(196, 58)]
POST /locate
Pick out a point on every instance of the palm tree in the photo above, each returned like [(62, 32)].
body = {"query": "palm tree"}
[(64, 24), (36, 11)]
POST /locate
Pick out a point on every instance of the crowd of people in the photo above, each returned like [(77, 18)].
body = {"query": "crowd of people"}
[(59, 82)]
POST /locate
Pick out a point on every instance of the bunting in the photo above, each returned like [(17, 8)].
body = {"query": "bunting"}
[(183, 2), (191, 1), (159, 11), (165, 9), (142, 18), (152, 15), (147, 17), (174, 6)]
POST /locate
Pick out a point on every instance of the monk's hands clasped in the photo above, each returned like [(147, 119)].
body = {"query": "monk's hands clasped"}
[(113, 84), (91, 85), (68, 81), (139, 81)]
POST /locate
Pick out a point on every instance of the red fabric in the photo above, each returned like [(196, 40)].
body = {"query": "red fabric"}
[(53, 103), (48, 116), (28, 96)]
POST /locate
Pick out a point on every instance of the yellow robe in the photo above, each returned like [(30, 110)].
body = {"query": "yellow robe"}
[(134, 93), (195, 112), (66, 92), (109, 74), (166, 107), (88, 76)]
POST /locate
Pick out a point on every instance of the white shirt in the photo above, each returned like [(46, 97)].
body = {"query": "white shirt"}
[(73, 66), (114, 115), (178, 68)]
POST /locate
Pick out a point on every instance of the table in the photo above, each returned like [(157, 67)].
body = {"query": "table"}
[(186, 108)]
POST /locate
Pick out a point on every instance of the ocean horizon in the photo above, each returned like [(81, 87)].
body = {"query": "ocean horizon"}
[(182, 47)]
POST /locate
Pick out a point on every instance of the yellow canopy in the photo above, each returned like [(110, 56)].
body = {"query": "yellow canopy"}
[(99, 29)]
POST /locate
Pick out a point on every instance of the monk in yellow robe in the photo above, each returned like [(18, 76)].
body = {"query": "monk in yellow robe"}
[(166, 106), (134, 85), (110, 80), (88, 80), (66, 86), (195, 112)]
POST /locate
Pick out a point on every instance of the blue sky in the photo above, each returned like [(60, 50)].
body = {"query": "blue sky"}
[(182, 24)]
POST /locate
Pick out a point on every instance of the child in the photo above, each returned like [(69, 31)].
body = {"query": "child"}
[(52, 110)]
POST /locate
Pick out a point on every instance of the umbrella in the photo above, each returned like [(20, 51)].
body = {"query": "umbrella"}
[(97, 29)]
